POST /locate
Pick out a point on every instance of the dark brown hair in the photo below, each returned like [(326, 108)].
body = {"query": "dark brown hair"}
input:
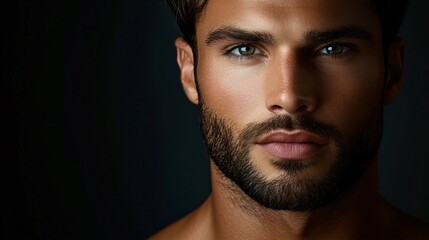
[(391, 13)]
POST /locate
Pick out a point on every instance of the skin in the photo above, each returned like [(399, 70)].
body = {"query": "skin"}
[(289, 74)]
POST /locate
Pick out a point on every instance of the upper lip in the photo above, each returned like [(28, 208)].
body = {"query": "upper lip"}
[(297, 136)]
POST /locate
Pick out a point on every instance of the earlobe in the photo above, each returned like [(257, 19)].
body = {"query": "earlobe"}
[(395, 70), (185, 59)]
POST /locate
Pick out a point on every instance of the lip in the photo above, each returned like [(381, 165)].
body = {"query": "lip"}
[(297, 144)]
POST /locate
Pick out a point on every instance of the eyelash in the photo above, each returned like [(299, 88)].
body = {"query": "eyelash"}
[(346, 49), (238, 57)]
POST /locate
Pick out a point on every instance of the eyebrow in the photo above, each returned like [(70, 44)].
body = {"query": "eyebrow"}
[(312, 37), (350, 31), (233, 33)]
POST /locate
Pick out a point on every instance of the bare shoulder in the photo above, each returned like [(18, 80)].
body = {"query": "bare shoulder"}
[(408, 227), (173, 231), (195, 225), (414, 228)]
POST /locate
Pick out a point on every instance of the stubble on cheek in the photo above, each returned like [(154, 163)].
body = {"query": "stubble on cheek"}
[(290, 190)]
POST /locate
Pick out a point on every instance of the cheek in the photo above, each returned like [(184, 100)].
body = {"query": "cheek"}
[(354, 95), (348, 93), (230, 90)]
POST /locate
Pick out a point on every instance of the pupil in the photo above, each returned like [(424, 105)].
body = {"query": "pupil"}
[(247, 50), (334, 49)]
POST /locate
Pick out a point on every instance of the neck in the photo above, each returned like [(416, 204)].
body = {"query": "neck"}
[(356, 212)]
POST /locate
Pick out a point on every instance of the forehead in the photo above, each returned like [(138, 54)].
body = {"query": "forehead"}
[(287, 18)]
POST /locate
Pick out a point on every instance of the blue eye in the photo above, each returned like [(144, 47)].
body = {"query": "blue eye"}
[(245, 50), (334, 49)]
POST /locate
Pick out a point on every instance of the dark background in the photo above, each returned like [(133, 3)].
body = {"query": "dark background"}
[(99, 141)]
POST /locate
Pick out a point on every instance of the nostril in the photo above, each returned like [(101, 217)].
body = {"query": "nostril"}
[(303, 108), (277, 109), (290, 102), (288, 109)]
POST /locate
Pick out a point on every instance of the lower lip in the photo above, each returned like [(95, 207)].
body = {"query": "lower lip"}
[(298, 151)]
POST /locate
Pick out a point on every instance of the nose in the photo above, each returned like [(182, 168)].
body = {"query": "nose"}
[(290, 87)]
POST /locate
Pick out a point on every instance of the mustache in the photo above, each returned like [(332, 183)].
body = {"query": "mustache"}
[(289, 123)]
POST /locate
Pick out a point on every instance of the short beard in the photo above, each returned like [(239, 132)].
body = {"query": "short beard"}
[(290, 191)]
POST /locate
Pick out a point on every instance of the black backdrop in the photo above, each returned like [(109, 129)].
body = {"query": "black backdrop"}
[(99, 141)]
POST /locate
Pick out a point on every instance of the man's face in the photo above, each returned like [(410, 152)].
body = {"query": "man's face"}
[(290, 95)]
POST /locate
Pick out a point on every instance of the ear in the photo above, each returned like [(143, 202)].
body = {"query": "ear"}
[(185, 59), (395, 70)]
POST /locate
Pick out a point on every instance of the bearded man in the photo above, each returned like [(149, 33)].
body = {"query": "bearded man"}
[(291, 96)]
